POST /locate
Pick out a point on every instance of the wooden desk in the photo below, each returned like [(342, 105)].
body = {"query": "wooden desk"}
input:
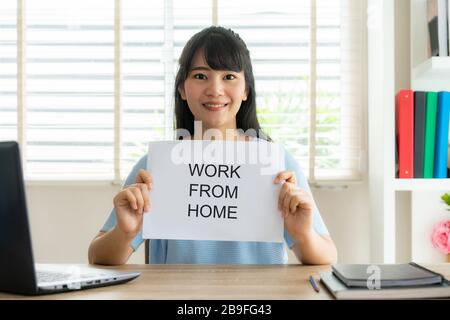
[(219, 282)]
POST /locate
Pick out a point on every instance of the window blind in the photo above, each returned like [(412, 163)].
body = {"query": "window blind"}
[(69, 89), (100, 74), (8, 70)]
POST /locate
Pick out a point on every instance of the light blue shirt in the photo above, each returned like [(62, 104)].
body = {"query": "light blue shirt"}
[(219, 252)]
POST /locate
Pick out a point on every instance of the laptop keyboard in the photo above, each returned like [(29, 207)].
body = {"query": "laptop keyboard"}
[(45, 276)]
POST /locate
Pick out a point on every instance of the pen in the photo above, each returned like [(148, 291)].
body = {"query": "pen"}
[(313, 283)]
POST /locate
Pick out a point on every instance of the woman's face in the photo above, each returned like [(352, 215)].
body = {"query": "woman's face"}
[(214, 96)]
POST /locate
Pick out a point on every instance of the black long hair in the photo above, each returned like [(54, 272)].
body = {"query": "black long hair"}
[(223, 50)]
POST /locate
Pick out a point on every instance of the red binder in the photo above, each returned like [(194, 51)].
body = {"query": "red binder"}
[(404, 110)]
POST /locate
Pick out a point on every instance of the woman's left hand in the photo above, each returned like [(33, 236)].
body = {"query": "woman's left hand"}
[(296, 205)]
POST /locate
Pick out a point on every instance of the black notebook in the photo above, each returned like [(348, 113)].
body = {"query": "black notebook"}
[(341, 291), (390, 275)]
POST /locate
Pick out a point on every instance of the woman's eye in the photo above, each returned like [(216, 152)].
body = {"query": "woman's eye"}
[(199, 76), (230, 77)]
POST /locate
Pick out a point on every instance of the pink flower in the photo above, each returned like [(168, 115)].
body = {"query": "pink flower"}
[(441, 236)]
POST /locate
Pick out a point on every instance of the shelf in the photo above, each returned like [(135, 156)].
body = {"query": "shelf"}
[(433, 67), (432, 75), (421, 184)]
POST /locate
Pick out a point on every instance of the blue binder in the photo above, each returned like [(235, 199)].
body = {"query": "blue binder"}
[(441, 149)]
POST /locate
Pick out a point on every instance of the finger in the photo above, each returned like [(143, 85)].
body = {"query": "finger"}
[(296, 201), (131, 198), (283, 191), (145, 195), (144, 176), (286, 202), (304, 200), (285, 198), (129, 186), (139, 198), (288, 176)]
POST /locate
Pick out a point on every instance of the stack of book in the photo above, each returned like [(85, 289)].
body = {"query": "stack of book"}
[(384, 281), (438, 27), (422, 134)]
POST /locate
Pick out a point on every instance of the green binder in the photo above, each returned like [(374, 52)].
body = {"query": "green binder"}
[(430, 133)]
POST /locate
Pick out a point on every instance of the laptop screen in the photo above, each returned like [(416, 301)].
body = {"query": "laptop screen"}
[(16, 256)]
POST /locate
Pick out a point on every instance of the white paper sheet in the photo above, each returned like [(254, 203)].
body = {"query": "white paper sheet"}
[(214, 190)]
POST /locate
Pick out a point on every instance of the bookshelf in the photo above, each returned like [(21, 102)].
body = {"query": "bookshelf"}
[(421, 184), (427, 74), (381, 145), (395, 232), (434, 68)]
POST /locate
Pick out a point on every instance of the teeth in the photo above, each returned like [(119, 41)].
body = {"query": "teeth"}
[(209, 105)]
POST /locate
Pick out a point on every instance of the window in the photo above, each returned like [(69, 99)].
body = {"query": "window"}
[(8, 70), (98, 79)]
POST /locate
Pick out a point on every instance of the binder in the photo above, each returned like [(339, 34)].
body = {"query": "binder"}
[(442, 119), (432, 20), (340, 291), (384, 281), (404, 109), (430, 134), (390, 275), (437, 27), (419, 132)]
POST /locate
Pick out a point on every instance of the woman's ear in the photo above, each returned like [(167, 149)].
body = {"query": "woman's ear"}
[(245, 95), (182, 92)]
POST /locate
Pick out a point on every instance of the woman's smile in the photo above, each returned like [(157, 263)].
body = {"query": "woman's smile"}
[(215, 106)]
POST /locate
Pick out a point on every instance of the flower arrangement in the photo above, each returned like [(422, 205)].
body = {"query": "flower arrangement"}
[(440, 236)]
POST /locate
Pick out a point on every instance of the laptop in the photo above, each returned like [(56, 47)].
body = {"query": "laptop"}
[(18, 272)]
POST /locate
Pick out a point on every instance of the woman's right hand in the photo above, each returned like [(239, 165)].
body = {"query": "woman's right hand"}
[(132, 202)]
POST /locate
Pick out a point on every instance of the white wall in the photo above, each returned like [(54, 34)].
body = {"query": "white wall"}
[(346, 213), (64, 220)]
